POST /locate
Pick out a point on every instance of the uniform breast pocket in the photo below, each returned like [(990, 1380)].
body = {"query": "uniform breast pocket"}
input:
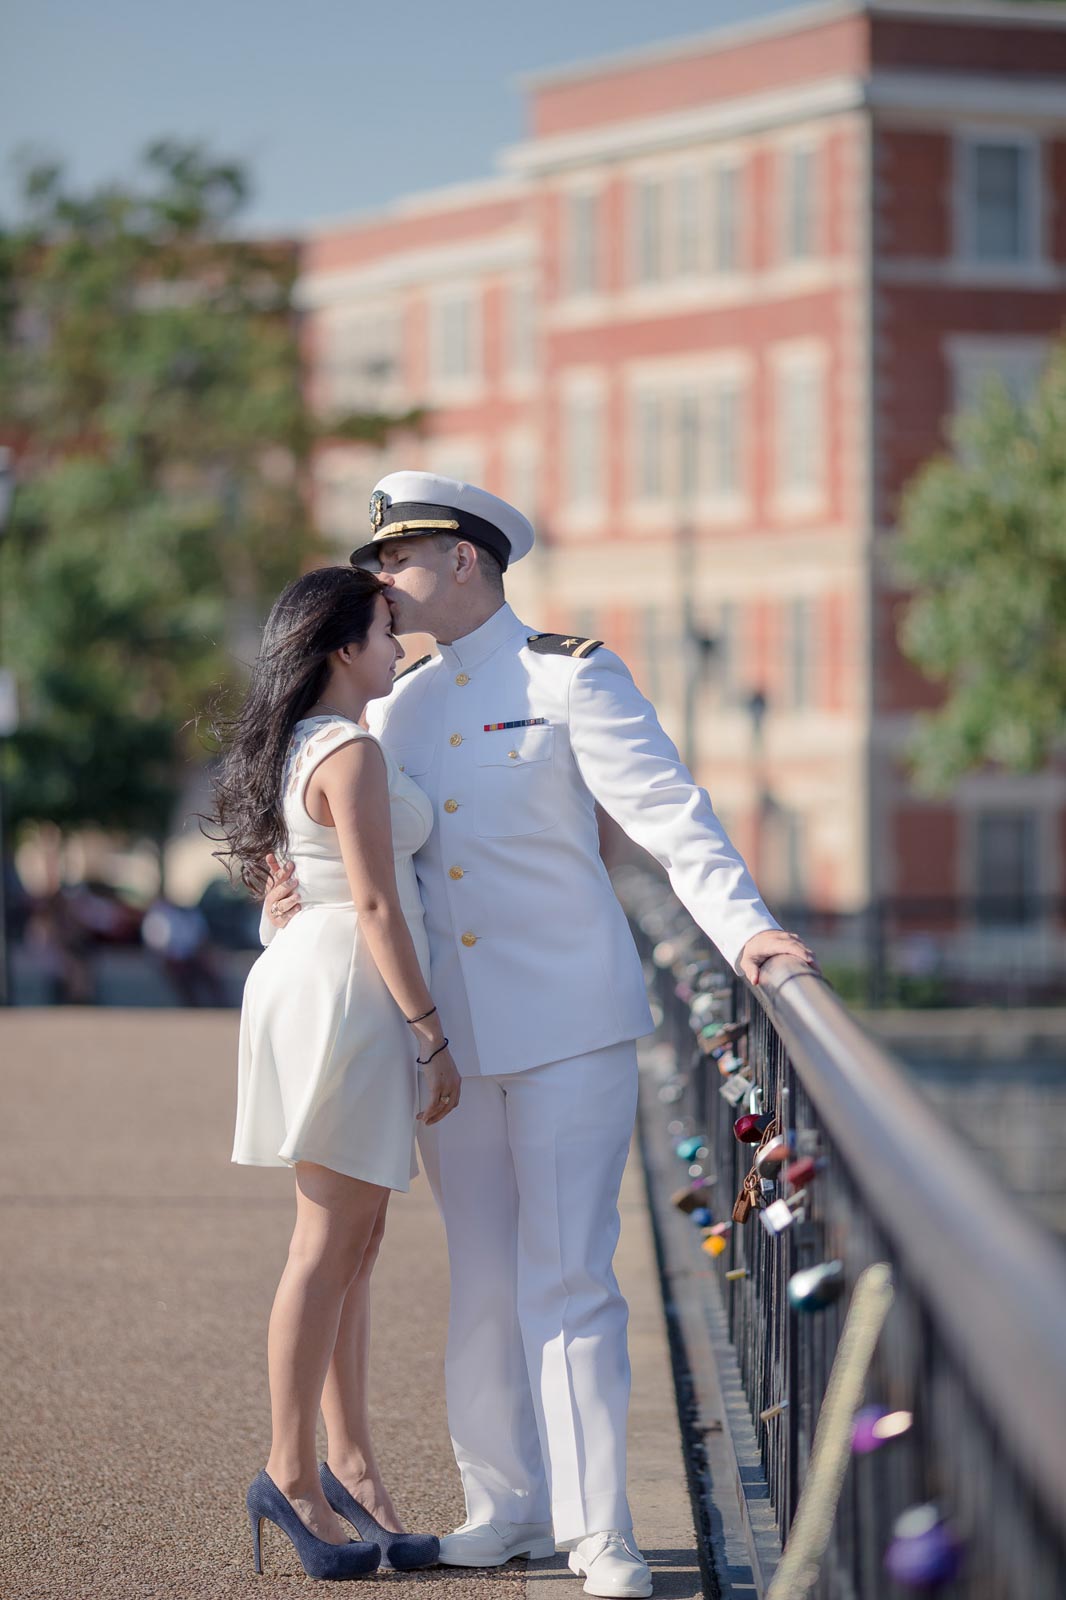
[(415, 760), (517, 791)]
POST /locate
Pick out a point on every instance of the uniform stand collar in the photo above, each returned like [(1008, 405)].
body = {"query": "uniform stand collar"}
[(470, 651)]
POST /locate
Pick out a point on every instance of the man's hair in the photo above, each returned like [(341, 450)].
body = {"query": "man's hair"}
[(488, 563)]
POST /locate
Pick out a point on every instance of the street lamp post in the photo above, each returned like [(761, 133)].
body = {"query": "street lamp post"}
[(7, 725)]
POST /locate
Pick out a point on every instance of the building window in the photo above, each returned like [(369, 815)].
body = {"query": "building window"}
[(725, 438), (649, 447), (523, 474), (361, 356), (1016, 363), (794, 849), (800, 428), (725, 219), (521, 330), (727, 653), (1006, 872), (648, 230), (462, 459), (1000, 200), (689, 476), (688, 220), (583, 449), (800, 203), (797, 655), (582, 271), (688, 444), (456, 337)]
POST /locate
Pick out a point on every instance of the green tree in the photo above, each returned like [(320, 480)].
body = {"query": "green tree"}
[(150, 380), (983, 544)]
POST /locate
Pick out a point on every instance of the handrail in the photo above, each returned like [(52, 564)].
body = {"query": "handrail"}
[(997, 1291)]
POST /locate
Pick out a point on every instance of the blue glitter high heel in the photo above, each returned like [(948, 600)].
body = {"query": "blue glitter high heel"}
[(318, 1558), (404, 1552)]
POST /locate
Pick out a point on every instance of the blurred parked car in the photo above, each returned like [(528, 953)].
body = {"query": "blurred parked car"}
[(231, 914)]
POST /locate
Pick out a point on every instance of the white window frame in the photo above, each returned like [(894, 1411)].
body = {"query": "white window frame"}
[(587, 390), (963, 209), (441, 381), (809, 358), (570, 287), (521, 332), (689, 224), (341, 334), (642, 180), (812, 147), (459, 456), (668, 385), (720, 167), (521, 467), (974, 358)]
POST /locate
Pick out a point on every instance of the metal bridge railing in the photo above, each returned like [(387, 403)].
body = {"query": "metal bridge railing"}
[(974, 1348)]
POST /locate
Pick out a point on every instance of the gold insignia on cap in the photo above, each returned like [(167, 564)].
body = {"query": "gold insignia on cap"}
[(378, 502)]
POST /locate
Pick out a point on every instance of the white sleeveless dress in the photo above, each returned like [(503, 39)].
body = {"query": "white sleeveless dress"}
[(326, 1067)]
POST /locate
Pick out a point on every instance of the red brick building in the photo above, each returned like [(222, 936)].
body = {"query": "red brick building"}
[(720, 306)]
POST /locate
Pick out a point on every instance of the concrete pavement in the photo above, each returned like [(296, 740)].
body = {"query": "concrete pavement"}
[(138, 1270)]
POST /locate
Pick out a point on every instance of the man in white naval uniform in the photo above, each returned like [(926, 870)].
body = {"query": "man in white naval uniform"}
[(515, 736)]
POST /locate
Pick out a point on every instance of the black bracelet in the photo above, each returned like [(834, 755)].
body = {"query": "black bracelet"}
[(410, 1021), (429, 1058)]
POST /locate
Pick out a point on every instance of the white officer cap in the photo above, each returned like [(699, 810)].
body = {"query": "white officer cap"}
[(412, 505)]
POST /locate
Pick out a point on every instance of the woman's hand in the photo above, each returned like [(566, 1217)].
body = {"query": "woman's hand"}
[(282, 900), (442, 1088)]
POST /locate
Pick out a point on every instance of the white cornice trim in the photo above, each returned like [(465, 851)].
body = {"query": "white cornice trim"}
[(946, 96), (745, 114), (503, 252), (1026, 13), (449, 197), (1048, 14)]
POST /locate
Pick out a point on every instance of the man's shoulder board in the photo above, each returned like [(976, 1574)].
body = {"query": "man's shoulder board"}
[(562, 644), (407, 671)]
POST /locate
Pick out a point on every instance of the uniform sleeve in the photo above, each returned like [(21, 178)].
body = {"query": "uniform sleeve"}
[(633, 769)]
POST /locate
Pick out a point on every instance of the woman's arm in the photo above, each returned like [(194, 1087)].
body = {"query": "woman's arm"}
[(353, 781)]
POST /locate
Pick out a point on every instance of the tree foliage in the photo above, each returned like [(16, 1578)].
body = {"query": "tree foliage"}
[(983, 543), (150, 380)]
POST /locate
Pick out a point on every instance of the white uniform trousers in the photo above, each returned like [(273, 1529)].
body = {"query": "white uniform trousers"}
[(526, 1173)]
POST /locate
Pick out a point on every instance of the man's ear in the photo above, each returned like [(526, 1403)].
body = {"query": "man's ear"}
[(466, 561)]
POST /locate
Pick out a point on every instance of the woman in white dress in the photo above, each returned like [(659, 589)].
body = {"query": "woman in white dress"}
[(336, 1012)]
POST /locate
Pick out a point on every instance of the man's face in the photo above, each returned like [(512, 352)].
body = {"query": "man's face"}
[(420, 574)]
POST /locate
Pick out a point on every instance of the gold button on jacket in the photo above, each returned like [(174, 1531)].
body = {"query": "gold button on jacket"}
[(451, 805), (455, 872), (462, 680), (469, 939), (456, 738)]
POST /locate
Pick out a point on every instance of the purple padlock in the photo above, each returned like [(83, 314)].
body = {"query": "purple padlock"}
[(874, 1426), (923, 1552)]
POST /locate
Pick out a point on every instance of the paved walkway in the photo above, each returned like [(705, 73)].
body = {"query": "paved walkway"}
[(138, 1270)]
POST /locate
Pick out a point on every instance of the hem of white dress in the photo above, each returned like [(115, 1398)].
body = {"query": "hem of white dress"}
[(345, 1172)]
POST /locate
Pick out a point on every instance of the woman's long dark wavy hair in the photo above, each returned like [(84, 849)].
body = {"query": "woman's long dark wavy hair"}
[(319, 613)]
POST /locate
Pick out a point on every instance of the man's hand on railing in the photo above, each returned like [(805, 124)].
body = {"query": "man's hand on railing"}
[(774, 942)]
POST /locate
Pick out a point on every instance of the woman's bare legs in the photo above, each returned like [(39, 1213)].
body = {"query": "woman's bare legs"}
[(344, 1395), (336, 1220)]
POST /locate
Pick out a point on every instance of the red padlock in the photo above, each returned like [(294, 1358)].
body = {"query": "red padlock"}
[(800, 1173), (750, 1128)]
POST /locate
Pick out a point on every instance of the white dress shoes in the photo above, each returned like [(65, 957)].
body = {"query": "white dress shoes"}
[(611, 1565), (490, 1544)]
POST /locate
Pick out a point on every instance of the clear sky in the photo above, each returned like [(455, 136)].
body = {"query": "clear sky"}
[(335, 106)]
